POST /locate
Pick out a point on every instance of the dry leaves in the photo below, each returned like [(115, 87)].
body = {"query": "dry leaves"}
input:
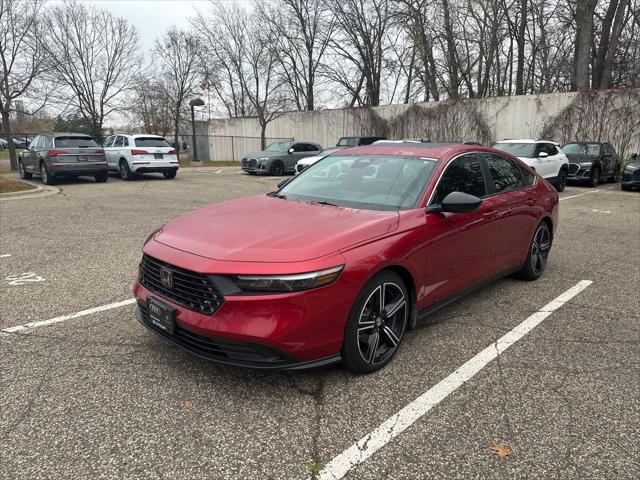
[(187, 404), (499, 449)]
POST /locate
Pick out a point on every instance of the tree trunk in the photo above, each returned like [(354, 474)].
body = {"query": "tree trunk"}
[(13, 158), (176, 136), (598, 64), (263, 134), (618, 24), (520, 40), (452, 58), (584, 32)]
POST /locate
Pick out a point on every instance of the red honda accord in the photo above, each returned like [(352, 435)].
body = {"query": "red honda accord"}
[(341, 261)]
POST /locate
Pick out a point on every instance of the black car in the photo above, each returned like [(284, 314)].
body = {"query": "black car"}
[(590, 162), (357, 141), (631, 173)]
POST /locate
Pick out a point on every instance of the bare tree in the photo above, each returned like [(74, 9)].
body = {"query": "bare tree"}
[(95, 55), (301, 30), (178, 54), (151, 107), (22, 56)]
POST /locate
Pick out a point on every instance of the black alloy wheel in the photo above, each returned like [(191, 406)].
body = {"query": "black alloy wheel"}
[(562, 181), (276, 169), (376, 324), (595, 177), (538, 255), (125, 171)]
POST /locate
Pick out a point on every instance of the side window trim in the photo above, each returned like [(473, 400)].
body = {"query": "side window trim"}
[(483, 169), (489, 176)]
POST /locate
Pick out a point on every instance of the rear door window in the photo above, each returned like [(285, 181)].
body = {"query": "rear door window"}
[(119, 142), (505, 175), (75, 142), (464, 174), (150, 142), (107, 143)]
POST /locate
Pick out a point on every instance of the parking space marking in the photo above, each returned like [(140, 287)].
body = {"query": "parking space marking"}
[(579, 194), (89, 311), (18, 279), (5, 255), (364, 448)]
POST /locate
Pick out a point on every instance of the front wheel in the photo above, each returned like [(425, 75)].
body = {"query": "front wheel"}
[(561, 182), (595, 178), (614, 176), (539, 249), (376, 323), (624, 187), (170, 173), (101, 177), (276, 169)]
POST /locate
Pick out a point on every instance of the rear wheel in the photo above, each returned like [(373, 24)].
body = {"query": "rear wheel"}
[(276, 169), (170, 173), (101, 177), (595, 177), (23, 172), (561, 182), (47, 178), (539, 249), (376, 323), (125, 171)]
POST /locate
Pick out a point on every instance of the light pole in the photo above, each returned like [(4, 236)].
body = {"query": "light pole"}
[(196, 102)]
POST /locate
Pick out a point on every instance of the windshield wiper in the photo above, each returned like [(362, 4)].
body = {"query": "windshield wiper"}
[(325, 203), (277, 195)]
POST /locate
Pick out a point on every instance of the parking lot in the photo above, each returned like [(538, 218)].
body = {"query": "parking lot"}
[(95, 395)]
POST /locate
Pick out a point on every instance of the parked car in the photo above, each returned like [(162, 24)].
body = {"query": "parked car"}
[(590, 162), (543, 156), (305, 162), (133, 155), (357, 141), (57, 155), (21, 142), (332, 267), (631, 173), (3, 144), (279, 157)]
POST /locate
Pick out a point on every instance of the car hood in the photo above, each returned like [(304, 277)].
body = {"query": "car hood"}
[(310, 160), (273, 230), (633, 166), (264, 154), (581, 159)]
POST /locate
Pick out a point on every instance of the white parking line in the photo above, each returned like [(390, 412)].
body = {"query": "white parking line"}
[(364, 448), (89, 311), (579, 194), (5, 255)]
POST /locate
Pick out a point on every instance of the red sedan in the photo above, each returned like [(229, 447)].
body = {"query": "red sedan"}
[(341, 261)]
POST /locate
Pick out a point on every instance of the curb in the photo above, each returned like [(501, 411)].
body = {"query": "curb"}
[(40, 191)]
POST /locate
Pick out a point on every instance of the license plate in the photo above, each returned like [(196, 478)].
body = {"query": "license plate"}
[(82, 158), (161, 315), (157, 155)]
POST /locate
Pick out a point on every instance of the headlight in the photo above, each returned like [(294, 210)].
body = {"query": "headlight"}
[(630, 169), (153, 234), (288, 283), (262, 159)]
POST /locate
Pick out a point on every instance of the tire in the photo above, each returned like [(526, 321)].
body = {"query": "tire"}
[(612, 178), (46, 177), (276, 169), (561, 182), (170, 173), (24, 175), (595, 177), (370, 339), (624, 187), (125, 171), (537, 257), (101, 177)]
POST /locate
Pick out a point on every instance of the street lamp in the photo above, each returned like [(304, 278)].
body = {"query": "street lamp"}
[(196, 102)]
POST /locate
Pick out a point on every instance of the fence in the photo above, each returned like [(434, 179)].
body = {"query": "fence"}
[(226, 147)]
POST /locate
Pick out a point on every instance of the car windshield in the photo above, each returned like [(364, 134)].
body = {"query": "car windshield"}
[(590, 149), (517, 149), (75, 142), (278, 147), (348, 142), (151, 142), (371, 182)]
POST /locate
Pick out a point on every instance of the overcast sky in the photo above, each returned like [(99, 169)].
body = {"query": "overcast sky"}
[(153, 17)]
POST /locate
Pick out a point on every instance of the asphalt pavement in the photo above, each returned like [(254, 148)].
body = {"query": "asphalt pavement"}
[(98, 396)]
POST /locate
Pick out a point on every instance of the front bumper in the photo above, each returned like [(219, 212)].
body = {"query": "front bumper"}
[(242, 354)]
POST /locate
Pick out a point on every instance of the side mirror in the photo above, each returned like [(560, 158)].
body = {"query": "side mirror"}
[(282, 183), (291, 150), (456, 202), (543, 155)]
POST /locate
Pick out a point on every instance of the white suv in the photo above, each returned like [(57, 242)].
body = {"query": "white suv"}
[(132, 155), (544, 156)]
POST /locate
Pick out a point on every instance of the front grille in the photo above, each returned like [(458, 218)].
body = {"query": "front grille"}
[(216, 348), (244, 162), (573, 168), (252, 163), (636, 173), (190, 289)]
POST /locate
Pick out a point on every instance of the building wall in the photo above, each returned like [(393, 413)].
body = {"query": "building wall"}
[(505, 117)]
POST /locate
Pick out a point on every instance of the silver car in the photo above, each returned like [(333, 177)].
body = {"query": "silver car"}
[(56, 155), (279, 157)]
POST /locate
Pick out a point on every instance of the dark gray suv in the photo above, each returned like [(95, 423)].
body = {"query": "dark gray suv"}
[(279, 157), (56, 155)]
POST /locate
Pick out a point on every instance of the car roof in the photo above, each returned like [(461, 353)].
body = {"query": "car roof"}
[(444, 150), (67, 134), (526, 140)]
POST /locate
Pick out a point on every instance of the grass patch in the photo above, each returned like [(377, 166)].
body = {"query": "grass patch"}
[(4, 154), (5, 168), (8, 185)]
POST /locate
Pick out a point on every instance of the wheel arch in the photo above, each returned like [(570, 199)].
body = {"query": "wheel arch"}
[(410, 283)]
